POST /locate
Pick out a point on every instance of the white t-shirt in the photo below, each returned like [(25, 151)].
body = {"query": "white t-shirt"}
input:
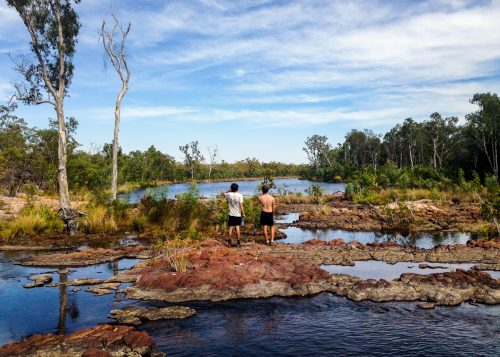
[(234, 199)]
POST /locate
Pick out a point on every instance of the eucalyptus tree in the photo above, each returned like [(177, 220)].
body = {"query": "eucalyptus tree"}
[(53, 28), (212, 155), (440, 132), (318, 151), (192, 156), (484, 126), (115, 52), (16, 148)]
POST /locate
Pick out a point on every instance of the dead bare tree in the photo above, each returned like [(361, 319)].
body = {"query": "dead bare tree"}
[(115, 52), (212, 153)]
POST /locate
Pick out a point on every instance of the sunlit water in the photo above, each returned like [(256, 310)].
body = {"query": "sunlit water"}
[(246, 188)]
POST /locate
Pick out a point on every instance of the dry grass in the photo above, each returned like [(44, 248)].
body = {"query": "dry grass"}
[(98, 219), (32, 221)]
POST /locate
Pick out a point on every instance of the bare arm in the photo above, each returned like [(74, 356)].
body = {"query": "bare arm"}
[(273, 206), (242, 210)]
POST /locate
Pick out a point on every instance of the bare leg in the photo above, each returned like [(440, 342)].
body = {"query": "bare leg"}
[(230, 234), (238, 234), (265, 235), (272, 234)]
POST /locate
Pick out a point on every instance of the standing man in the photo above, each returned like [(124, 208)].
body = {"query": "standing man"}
[(236, 213), (267, 213)]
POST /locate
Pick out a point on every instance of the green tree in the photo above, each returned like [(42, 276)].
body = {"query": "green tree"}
[(192, 156), (53, 27), (484, 126)]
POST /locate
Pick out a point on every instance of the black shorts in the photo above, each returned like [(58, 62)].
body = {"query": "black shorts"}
[(266, 219), (234, 221)]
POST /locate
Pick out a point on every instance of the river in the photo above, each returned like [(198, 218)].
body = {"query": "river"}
[(246, 188)]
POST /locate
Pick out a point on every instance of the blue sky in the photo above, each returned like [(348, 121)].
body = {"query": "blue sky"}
[(257, 77)]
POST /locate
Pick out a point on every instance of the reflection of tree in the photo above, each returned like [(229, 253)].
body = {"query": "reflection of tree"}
[(63, 303)]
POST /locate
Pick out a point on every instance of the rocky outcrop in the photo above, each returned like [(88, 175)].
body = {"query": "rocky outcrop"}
[(340, 253), (451, 288), (87, 257), (411, 216), (220, 273), (134, 315), (102, 340), (38, 280), (256, 271), (104, 289)]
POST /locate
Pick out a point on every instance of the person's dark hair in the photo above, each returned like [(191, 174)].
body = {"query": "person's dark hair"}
[(234, 187), (265, 189)]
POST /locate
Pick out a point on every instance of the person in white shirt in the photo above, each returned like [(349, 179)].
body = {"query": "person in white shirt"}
[(236, 212)]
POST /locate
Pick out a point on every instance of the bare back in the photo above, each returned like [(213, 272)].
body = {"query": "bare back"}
[(267, 202)]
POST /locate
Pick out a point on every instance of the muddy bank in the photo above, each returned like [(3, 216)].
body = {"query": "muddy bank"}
[(99, 341), (412, 216)]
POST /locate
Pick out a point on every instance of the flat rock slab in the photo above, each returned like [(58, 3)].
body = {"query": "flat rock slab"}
[(38, 280), (450, 288), (427, 216), (134, 315), (340, 253), (254, 271), (102, 340), (221, 273), (87, 257), (104, 289)]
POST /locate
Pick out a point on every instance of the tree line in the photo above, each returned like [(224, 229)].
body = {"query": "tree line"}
[(440, 143), (29, 155)]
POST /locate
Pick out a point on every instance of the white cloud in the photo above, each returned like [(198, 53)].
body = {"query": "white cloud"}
[(129, 113)]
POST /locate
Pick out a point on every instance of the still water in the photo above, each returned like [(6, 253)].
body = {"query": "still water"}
[(297, 235), (246, 188), (373, 269), (327, 325)]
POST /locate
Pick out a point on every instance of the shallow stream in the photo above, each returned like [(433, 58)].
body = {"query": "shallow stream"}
[(319, 325)]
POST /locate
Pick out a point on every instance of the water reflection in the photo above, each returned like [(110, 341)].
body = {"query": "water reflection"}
[(422, 240), (373, 269), (61, 309)]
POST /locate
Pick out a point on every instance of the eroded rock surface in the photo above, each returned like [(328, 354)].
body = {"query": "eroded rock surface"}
[(255, 271), (102, 340), (38, 280), (87, 257), (412, 216), (133, 314), (451, 288), (220, 273), (340, 253)]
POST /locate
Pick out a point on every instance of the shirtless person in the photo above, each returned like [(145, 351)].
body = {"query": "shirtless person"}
[(236, 213), (267, 213)]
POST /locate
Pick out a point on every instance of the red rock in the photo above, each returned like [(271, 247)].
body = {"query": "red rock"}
[(96, 341), (92, 352)]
